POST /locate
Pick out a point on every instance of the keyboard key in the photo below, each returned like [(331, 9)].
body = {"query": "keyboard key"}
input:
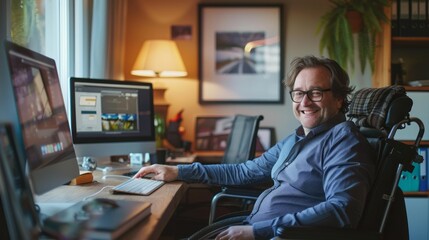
[(139, 186)]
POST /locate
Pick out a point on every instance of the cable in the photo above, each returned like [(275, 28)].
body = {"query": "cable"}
[(94, 194), (105, 177)]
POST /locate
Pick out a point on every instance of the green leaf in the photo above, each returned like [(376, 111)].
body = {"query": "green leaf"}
[(337, 38)]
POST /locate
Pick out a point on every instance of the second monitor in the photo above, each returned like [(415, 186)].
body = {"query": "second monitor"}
[(111, 117)]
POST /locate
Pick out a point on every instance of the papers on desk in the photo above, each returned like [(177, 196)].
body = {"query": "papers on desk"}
[(96, 219)]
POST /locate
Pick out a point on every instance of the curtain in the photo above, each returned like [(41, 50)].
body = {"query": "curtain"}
[(99, 38)]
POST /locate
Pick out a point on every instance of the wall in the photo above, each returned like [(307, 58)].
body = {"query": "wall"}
[(153, 19), (420, 111)]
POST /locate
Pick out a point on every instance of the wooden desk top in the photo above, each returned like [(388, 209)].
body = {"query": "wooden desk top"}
[(164, 202)]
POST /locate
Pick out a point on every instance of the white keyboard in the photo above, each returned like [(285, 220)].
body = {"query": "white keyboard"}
[(140, 186)]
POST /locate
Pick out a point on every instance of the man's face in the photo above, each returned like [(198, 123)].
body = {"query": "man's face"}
[(311, 114)]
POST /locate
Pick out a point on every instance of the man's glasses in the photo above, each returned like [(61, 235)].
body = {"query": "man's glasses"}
[(315, 95)]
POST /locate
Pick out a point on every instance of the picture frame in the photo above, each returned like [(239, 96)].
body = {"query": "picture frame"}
[(266, 138), (18, 204), (181, 32), (211, 134), (241, 54)]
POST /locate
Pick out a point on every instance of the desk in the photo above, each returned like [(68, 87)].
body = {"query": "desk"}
[(164, 202)]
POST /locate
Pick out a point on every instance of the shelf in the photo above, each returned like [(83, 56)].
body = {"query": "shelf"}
[(416, 89), (413, 42), (422, 143), (416, 194)]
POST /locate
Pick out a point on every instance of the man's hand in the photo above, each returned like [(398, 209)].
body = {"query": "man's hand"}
[(237, 232), (162, 172)]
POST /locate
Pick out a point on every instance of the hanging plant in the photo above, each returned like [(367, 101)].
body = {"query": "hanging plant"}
[(337, 34)]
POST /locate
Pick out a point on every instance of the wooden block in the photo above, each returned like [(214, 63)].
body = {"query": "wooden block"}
[(84, 177)]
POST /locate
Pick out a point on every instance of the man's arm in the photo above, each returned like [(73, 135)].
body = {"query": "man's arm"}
[(252, 171), (227, 174)]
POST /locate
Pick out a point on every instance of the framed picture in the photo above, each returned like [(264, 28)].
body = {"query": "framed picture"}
[(266, 138), (240, 53), (211, 134), (181, 32), (18, 203)]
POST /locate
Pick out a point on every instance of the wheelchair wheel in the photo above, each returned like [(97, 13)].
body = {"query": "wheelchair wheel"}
[(214, 229)]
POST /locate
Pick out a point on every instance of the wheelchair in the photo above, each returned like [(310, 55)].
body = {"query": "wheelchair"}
[(379, 113)]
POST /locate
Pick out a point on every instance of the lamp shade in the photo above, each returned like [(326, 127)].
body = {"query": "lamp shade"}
[(159, 58)]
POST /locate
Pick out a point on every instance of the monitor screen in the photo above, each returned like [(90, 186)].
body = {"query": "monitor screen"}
[(44, 127), (111, 117)]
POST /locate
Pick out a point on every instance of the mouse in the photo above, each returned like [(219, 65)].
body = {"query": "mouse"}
[(99, 205), (149, 175)]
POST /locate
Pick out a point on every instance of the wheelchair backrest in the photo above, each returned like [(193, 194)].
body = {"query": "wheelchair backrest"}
[(378, 113)]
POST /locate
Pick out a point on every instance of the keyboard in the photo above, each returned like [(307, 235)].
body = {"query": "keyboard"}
[(139, 186)]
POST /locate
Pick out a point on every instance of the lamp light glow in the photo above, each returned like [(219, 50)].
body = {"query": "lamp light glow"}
[(159, 58)]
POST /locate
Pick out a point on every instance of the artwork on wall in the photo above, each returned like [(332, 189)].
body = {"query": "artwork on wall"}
[(211, 134), (240, 53), (181, 32)]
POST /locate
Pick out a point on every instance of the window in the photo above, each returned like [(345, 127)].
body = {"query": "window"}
[(43, 26)]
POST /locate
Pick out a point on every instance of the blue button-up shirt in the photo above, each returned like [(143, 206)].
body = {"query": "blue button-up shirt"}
[(321, 179)]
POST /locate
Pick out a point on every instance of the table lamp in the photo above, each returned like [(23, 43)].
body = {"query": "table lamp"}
[(159, 59)]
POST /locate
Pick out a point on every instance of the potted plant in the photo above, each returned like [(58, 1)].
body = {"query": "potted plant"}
[(337, 34)]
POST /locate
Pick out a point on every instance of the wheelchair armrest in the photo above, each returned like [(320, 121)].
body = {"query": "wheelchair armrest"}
[(319, 233), (250, 192)]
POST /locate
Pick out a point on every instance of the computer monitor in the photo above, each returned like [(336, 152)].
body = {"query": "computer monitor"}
[(111, 117), (16, 196), (44, 127)]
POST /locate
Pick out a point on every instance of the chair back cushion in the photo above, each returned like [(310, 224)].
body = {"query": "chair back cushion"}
[(241, 144), (372, 107)]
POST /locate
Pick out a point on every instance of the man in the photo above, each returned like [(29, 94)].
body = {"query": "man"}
[(322, 173)]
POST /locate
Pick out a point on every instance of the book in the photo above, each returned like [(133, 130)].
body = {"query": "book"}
[(99, 218), (84, 177), (410, 181), (423, 186)]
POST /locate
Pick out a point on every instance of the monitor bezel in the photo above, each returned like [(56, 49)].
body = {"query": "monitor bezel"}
[(98, 139)]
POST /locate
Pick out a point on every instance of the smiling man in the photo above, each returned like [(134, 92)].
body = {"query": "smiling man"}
[(322, 172)]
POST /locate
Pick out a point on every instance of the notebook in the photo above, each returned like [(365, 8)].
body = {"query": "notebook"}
[(99, 218)]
